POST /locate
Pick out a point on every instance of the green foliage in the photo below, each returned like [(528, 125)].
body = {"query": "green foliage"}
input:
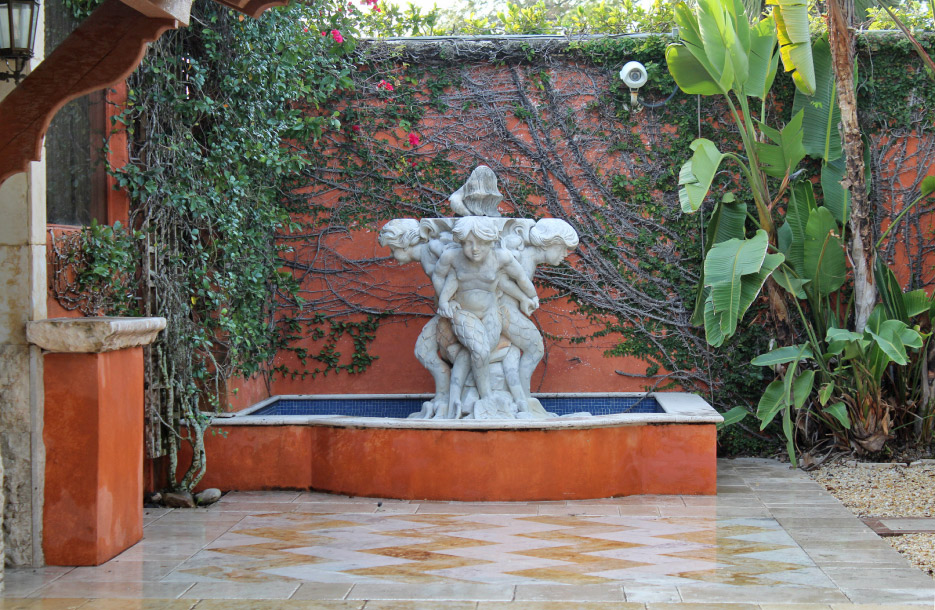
[(212, 111), (101, 271)]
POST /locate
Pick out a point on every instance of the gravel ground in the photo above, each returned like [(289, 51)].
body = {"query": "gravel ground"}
[(888, 490)]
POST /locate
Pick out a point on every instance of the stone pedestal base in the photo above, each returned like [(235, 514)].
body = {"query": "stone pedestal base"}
[(93, 436)]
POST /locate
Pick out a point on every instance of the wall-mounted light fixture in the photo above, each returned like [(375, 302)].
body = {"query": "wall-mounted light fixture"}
[(18, 21), (634, 75)]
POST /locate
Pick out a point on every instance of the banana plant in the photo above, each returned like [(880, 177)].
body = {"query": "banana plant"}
[(721, 53)]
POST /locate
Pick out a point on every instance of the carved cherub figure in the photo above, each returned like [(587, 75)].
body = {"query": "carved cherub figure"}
[(532, 243), (410, 241), (472, 275)]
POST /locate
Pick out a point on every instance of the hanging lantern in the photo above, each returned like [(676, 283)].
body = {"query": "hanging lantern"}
[(18, 21)]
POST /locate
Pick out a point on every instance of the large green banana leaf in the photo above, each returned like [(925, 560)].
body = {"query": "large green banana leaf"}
[(825, 264), (798, 209), (836, 198), (735, 271), (783, 355), (764, 59), (697, 173), (795, 43), (727, 222), (689, 73), (822, 114), (725, 36), (786, 151)]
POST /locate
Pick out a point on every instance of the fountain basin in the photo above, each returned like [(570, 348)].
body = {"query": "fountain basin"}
[(563, 458)]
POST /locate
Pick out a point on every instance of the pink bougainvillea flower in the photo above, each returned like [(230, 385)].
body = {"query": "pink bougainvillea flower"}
[(413, 139), (413, 162), (355, 128), (337, 36), (376, 9), (305, 29), (384, 85)]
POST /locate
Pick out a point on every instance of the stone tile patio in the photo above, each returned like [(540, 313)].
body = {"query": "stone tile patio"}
[(772, 538)]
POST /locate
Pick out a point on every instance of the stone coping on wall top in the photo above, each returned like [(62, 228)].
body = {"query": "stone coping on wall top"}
[(94, 334), (680, 408)]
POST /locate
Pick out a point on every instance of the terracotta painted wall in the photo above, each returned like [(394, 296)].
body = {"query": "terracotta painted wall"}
[(466, 465)]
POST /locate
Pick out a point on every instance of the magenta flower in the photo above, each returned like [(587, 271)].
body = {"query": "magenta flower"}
[(337, 36), (384, 85), (413, 139)]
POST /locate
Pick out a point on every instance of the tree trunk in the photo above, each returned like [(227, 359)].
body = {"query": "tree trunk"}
[(860, 245)]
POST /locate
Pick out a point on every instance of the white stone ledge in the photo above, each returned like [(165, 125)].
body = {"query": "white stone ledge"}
[(679, 407), (93, 335)]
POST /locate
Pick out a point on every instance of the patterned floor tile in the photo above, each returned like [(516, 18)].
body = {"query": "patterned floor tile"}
[(502, 549)]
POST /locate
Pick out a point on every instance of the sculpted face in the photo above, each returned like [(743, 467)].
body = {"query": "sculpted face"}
[(555, 254), (476, 249)]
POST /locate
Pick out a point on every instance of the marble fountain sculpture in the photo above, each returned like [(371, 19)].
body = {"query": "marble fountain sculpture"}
[(481, 346), (482, 436)]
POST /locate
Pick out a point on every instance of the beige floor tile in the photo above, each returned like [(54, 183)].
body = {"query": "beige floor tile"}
[(131, 590), (699, 500), (759, 594), (123, 571), (317, 590), (255, 508), (314, 496), (869, 606), (639, 511), (259, 496), (707, 512), (140, 604), (240, 590), (651, 500), (563, 605), (901, 597), (433, 591), (573, 593), (277, 604), (880, 578), (701, 606), (334, 507), (397, 509), (42, 604), (581, 510), (795, 607), (477, 509), (20, 582), (391, 604), (651, 593)]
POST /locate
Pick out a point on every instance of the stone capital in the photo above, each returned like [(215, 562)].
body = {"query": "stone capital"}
[(93, 335), (180, 10)]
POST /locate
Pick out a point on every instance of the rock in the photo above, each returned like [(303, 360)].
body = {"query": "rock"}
[(179, 499), (208, 496), (155, 498)]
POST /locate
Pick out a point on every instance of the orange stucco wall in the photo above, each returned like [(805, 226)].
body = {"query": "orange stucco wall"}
[(468, 465), (93, 435)]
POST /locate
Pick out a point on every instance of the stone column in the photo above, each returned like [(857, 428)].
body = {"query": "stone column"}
[(22, 299)]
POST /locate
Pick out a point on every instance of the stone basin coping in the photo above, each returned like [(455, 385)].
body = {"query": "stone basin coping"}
[(679, 407), (93, 335)]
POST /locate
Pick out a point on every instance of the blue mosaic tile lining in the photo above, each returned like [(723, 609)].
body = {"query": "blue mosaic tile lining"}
[(402, 407)]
